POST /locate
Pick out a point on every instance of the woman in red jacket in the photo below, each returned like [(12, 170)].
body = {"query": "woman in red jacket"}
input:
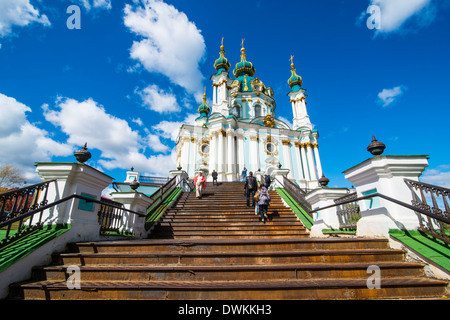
[(200, 184)]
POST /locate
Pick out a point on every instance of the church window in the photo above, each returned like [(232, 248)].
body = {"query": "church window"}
[(205, 148), (237, 111), (257, 110)]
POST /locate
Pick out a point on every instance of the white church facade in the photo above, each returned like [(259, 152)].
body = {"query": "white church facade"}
[(240, 129)]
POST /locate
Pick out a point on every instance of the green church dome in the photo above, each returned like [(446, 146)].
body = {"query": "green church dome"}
[(222, 63), (204, 109), (244, 67), (295, 81)]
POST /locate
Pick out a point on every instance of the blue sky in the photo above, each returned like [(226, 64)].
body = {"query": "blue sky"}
[(135, 72)]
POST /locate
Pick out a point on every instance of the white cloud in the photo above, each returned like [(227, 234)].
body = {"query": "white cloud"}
[(388, 96), (19, 13), (158, 100), (96, 4), (22, 143), (138, 121), (155, 144), (439, 176), (396, 13), (87, 121), (170, 44), (120, 146), (170, 129)]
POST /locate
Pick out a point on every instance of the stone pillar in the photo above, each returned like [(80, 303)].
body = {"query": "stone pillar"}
[(213, 153), (184, 160), (287, 156), (385, 175), (327, 218), (305, 162), (240, 154), (221, 155), (311, 164), (74, 178), (254, 154), (134, 201), (230, 156), (299, 160), (318, 163), (279, 174)]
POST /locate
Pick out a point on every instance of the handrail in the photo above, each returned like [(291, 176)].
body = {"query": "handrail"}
[(428, 226), (25, 199), (299, 197), (404, 204), (152, 211), (55, 203), (348, 213), (31, 227)]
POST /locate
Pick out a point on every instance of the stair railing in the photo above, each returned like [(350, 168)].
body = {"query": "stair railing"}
[(110, 217), (160, 195), (348, 213), (296, 193), (441, 218), (440, 197), (20, 206)]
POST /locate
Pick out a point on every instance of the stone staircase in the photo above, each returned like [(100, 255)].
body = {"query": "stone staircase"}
[(217, 248)]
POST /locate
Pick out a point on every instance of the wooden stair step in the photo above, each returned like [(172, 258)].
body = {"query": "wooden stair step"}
[(237, 290), (231, 273)]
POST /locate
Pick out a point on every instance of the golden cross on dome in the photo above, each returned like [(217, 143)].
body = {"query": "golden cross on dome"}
[(221, 42), (291, 59), (242, 43)]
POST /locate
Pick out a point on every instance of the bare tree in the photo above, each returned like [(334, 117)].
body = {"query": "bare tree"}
[(10, 177)]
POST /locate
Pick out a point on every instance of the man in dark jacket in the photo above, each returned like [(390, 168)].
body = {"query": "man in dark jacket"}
[(251, 186), (214, 176)]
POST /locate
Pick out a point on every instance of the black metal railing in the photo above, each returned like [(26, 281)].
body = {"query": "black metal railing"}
[(417, 209), (113, 218), (110, 218), (348, 213), (18, 210), (297, 193), (432, 223)]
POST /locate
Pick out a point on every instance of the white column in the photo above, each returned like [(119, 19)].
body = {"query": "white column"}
[(240, 146), (230, 154), (220, 152), (185, 153), (318, 163), (299, 160), (294, 109), (312, 165), (287, 156), (254, 153), (213, 153), (192, 152), (304, 162), (214, 94)]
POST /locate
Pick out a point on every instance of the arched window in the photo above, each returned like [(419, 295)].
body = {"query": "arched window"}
[(257, 110), (236, 111)]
